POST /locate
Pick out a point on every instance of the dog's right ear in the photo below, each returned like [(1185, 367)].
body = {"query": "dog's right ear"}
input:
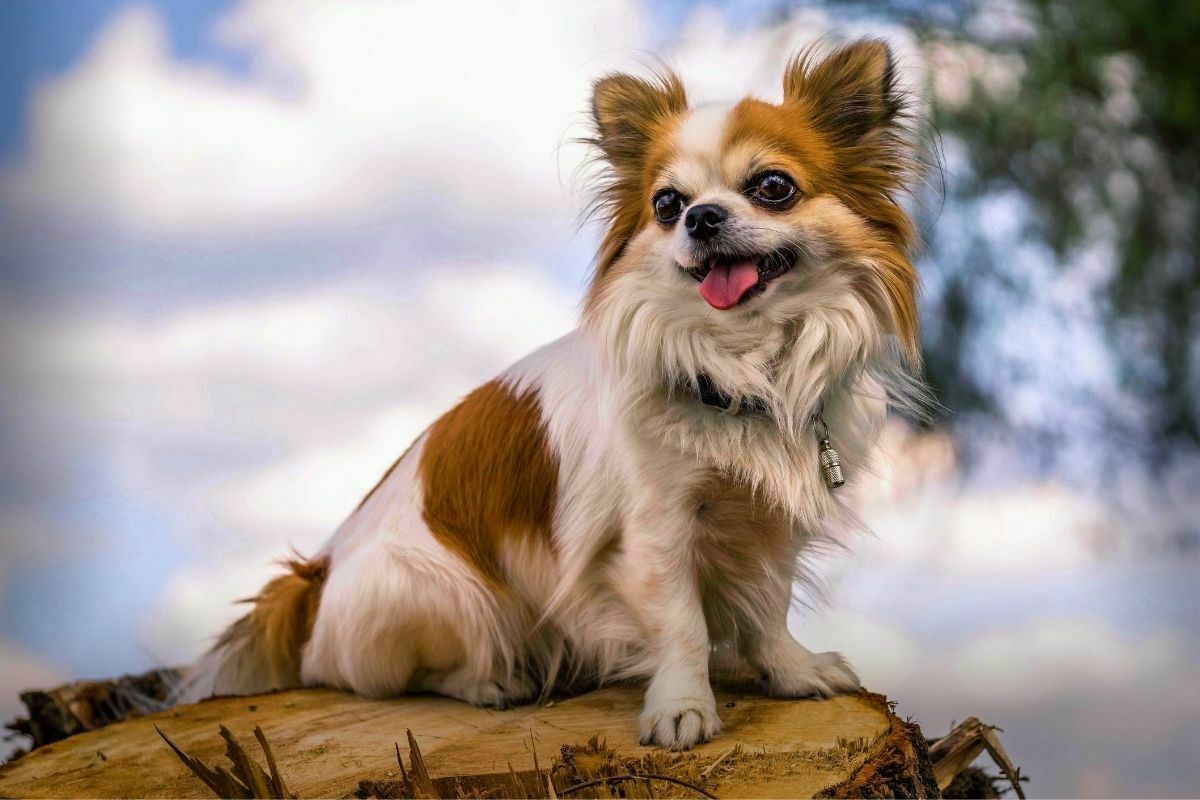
[(628, 112)]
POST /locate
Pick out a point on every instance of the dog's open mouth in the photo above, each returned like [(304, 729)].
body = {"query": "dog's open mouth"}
[(726, 281)]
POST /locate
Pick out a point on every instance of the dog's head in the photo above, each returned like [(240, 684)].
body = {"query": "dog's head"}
[(734, 232)]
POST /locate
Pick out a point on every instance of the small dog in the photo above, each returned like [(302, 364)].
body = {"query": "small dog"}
[(632, 497)]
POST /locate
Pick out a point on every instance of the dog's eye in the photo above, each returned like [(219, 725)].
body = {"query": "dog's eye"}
[(772, 188), (668, 205)]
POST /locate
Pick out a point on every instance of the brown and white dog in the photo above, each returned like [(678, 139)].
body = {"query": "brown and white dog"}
[(636, 495)]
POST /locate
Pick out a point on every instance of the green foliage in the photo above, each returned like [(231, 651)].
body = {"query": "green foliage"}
[(1097, 126)]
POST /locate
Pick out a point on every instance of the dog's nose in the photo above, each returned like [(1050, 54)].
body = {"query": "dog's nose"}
[(704, 221)]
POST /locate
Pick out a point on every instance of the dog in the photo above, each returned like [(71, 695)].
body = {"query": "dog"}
[(639, 495)]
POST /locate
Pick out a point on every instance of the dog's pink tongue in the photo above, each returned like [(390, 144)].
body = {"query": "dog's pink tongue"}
[(724, 285)]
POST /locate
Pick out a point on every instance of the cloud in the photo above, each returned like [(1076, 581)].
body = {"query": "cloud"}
[(1025, 664), (317, 384), (351, 110), (346, 338), (1053, 659)]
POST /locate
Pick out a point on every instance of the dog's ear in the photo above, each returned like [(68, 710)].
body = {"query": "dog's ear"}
[(850, 93), (629, 111)]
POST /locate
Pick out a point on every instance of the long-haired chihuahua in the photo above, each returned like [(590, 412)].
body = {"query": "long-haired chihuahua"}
[(634, 497)]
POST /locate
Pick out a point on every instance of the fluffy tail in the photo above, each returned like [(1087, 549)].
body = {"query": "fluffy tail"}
[(261, 651)]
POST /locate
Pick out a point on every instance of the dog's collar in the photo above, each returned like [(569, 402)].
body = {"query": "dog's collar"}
[(830, 462), (707, 392)]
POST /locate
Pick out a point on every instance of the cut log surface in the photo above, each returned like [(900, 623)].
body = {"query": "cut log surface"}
[(328, 743)]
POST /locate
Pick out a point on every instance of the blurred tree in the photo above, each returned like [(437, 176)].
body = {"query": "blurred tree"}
[(1090, 110)]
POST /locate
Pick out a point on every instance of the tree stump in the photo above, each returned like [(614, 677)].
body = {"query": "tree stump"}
[(327, 743)]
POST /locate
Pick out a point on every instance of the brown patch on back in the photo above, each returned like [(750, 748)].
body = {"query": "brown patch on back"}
[(489, 473), (280, 623)]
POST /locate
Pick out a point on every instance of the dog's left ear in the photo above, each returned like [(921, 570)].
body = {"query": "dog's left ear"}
[(850, 93)]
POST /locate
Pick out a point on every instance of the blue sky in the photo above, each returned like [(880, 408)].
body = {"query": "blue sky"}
[(44, 37), (41, 38)]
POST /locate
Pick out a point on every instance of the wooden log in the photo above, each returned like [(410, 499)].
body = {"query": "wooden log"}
[(328, 743), (55, 714), (954, 753)]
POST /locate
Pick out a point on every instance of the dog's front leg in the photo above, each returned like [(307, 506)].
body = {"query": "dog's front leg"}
[(680, 710), (786, 667)]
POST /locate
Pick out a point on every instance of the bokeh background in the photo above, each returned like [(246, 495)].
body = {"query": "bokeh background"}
[(248, 250)]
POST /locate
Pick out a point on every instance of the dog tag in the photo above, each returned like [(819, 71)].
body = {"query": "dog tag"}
[(831, 464)]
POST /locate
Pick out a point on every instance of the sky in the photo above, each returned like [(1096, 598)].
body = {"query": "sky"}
[(248, 250)]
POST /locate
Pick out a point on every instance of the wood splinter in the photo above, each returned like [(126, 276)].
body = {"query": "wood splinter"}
[(246, 778)]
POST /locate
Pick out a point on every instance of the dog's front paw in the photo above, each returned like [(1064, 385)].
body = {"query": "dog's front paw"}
[(679, 713), (679, 724), (810, 675)]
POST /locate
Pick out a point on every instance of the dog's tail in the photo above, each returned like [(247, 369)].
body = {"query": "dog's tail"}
[(261, 651)]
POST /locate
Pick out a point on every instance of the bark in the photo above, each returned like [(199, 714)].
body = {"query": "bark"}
[(55, 714)]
